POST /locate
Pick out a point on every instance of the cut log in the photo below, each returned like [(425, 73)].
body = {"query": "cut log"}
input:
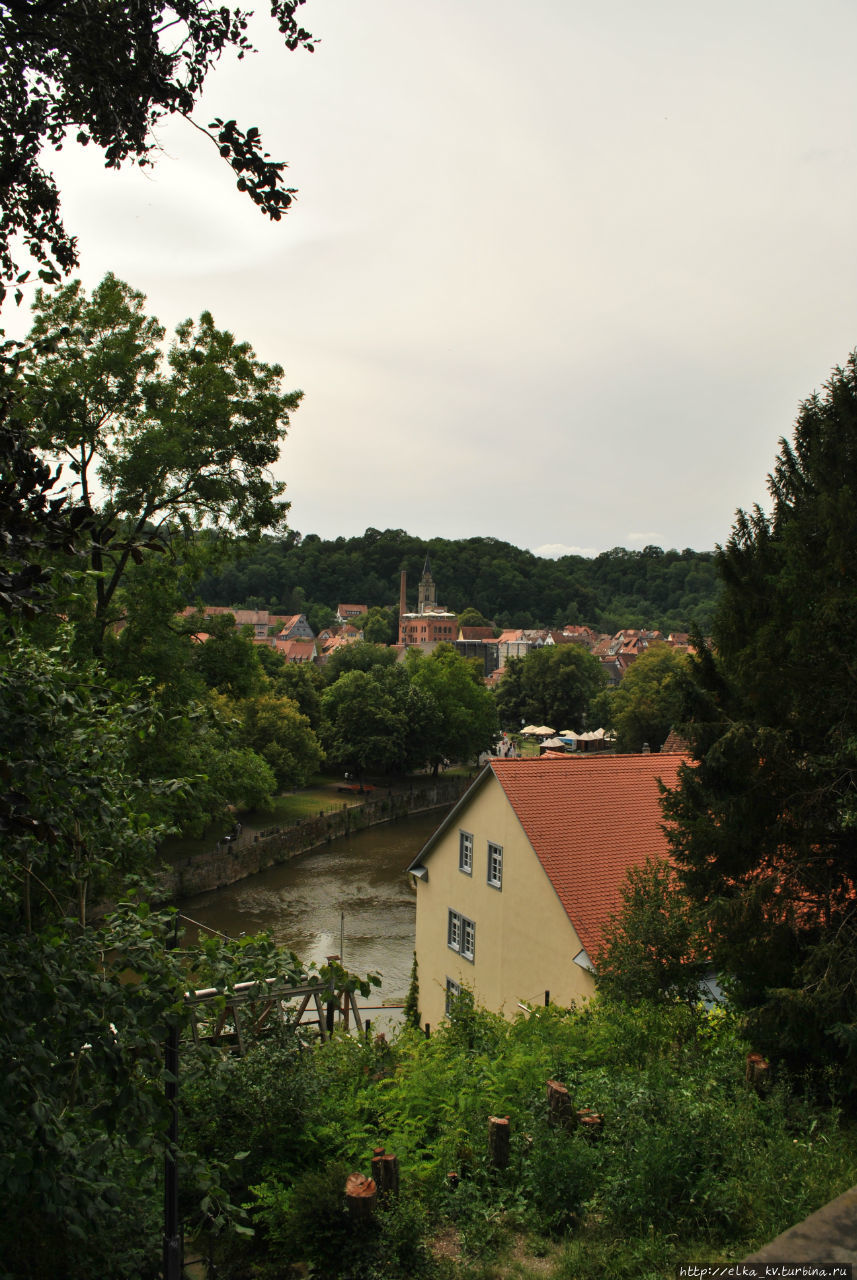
[(360, 1195), (389, 1184), (377, 1157), (498, 1141), (758, 1071), (561, 1114), (591, 1123)]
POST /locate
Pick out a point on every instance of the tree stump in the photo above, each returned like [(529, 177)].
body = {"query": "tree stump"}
[(561, 1114), (758, 1072), (389, 1184), (498, 1141), (591, 1123), (360, 1195)]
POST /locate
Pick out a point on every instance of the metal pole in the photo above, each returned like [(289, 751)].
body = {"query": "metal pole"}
[(342, 937), (172, 1266)]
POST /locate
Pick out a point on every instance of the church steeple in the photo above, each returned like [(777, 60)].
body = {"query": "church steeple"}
[(427, 596)]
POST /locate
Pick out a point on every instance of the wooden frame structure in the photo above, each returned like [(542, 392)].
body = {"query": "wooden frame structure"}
[(215, 1017)]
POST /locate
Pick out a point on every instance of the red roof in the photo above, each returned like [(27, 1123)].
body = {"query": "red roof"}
[(476, 633), (589, 821), (296, 650)]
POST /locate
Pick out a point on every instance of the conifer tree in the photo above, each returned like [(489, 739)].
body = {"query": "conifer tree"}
[(766, 819)]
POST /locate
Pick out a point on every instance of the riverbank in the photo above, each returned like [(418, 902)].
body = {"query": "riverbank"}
[(253, 851)]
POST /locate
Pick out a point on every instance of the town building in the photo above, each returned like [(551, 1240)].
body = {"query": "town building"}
[(432, 623), (296, 650), (515, 887)]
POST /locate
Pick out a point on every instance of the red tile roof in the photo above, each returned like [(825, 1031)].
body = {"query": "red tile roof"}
[(589, 821), (296, 650), (476, 633)]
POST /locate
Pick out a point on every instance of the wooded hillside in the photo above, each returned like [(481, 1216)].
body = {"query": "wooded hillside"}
[(652, 588)]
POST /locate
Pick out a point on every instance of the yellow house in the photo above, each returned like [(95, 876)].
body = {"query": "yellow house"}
[(515, 886)]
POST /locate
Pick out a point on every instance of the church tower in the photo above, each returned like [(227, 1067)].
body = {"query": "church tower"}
[(427, 596), (431, 623)]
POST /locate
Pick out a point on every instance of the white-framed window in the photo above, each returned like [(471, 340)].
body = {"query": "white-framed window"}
[(495, 865), (465, 852), (453, 991), (461, 935)]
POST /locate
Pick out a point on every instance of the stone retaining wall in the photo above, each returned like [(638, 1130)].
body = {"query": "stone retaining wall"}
[(251, 853)]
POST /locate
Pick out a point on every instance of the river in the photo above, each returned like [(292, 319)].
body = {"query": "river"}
[(350, 898)]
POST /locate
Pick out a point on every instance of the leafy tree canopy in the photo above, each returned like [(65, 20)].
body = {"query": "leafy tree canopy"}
[(649, 700), (158, 447), (465, 717), (108, 74), (554, 685), (275, 728)]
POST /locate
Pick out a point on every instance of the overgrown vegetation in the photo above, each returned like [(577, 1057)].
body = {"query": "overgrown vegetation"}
[(692, 1163)]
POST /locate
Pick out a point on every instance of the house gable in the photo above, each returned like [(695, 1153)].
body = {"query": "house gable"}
[(524, 940), (568, 830)]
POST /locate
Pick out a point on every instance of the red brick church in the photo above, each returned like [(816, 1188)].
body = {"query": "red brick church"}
[(432, 622)]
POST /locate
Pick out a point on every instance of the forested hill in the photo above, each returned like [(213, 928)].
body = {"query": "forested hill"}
[(512, 587)]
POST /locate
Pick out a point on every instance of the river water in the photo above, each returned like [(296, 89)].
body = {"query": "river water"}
[(350, 898)]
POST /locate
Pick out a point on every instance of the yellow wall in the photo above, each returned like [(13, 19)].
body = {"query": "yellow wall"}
[(525, 943)]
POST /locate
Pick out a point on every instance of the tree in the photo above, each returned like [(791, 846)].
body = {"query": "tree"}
[(378, 626), (360, 656), (156, 453), (228, 659), (553, 685), (302, 682), (276, 730), (110, 74), (464, 714), (473, 618), (649, 700), (364, 725), (766, 818), (655, 946)]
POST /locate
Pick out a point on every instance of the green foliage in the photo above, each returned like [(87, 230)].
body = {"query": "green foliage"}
[(105, 76), (411, 1012), (360, 656), (554, 685), (379, 626), (473, 618), (689, 1159), (671, 590), (300, 681), (364, 722), (649, 700), (460, 720), (75, 816), (196, 765), (275, 729), (765, 832), (390, 717), (156, 452), (228, 660), (655, 948)]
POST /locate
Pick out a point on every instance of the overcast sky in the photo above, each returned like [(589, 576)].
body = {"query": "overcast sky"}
[(558, 273)]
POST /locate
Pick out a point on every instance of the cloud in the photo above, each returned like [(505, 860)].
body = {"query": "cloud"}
[(553, 551), (647, 539)]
